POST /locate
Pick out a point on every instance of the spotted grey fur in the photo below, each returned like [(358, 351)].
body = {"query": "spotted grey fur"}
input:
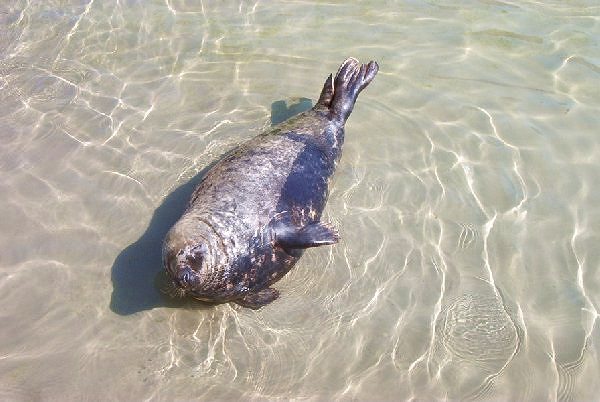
[(259, 208)]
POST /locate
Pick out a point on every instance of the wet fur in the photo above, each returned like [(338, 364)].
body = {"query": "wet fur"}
[(224, 247)]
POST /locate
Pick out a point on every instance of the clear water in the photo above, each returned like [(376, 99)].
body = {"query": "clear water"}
[(466, 200)]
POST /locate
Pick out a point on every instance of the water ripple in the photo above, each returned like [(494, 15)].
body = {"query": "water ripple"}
[(466, 200)]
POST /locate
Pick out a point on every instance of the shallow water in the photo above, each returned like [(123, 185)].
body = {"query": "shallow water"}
[(466, 200)]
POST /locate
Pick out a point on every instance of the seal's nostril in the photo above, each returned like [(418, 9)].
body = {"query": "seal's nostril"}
[(185, 278)]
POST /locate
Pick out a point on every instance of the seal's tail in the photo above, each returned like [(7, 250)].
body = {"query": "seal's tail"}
[(340, 94)]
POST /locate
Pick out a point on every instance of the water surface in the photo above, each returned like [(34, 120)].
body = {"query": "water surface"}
[(466, 200)]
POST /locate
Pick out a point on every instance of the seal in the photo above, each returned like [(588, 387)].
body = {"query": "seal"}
[(259, 207)]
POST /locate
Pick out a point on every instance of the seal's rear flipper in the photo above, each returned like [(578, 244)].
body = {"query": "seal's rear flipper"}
[(313, 235), (351, 78), (258, 299), (326, 93)]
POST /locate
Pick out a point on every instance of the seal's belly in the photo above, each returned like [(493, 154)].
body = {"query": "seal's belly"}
[(246, 270), (261, 267)]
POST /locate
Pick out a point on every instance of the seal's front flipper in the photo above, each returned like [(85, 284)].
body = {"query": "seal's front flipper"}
[(258, 299), (312, 235)]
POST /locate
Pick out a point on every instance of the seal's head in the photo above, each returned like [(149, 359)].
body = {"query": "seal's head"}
[(184, 268), (184, 262)]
